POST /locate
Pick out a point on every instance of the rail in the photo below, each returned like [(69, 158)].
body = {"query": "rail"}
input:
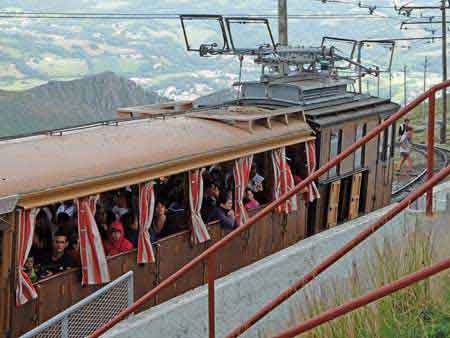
[(210, 252)]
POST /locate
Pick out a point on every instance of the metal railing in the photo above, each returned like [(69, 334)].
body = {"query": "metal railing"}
[(210, 252), (83, 318)]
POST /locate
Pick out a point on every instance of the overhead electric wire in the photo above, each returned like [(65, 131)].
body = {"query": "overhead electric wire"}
[(175, 16)]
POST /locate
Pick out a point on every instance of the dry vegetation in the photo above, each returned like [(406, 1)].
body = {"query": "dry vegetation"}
[(421, 311)]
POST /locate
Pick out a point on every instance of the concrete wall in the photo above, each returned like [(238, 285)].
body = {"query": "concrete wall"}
[(242, 293)]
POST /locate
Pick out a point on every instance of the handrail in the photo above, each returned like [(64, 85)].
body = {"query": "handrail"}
[(208, 254), (366, 299)]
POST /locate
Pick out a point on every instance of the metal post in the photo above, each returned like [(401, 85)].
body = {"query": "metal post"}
[(430, 149), (65, 328), (378, 84), (359, 68), (405, 100), (130, 290), (211, 308), (444, 72), (390, 84), (282, 23), (283, 30)]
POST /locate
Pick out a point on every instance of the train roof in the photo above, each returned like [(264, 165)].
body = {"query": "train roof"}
[(49, 168)]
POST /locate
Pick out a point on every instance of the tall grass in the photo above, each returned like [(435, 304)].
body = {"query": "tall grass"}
[(420, 311)]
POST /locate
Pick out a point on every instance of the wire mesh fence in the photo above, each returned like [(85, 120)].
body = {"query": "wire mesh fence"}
[(83, 318)]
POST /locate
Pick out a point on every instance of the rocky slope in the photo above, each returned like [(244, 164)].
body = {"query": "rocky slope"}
[(59, 104)]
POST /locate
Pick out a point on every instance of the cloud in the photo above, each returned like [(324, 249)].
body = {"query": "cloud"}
[(110, 5)]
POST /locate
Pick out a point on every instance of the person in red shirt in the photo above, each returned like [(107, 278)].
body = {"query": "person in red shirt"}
[(117, 243)]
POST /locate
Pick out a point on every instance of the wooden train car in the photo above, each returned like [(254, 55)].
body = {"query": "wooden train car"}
[(175, 138), (42, 170)]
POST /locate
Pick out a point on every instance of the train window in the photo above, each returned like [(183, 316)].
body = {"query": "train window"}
[(335, 149), (386, 144), (394, 128), (383, 145), (359, 153), (391, 141)]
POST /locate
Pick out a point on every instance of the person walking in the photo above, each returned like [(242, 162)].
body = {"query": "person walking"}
[(402, 128), (405, 150)]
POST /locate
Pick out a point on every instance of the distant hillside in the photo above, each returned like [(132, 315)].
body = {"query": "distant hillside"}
[(60, 104)]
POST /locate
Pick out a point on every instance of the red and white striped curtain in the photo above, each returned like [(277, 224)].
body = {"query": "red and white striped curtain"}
[(199, 229), (313, 192), (241, 173), (146, 211), (25, 291), (93, 259), (283, 180)]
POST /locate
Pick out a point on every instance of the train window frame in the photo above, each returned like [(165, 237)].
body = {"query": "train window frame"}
[(335, 150), (383, 145), (361, 131)]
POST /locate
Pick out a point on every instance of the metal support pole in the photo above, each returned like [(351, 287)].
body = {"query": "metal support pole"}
[(359, 68), (430, 149), (283, 30), (378, 84), (444, 72), (390, 84), (405, 100), (211, 308), (282, 23)]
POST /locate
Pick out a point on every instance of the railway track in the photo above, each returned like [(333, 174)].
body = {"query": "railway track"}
[(401, 189)]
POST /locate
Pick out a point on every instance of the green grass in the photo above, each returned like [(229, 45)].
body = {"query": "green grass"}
[(420, 311)]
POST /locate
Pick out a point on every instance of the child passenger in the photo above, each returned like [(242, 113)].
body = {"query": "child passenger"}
[(30, 270), (117, 243)]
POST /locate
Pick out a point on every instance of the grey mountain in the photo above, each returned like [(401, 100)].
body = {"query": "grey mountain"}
[(60, 104)]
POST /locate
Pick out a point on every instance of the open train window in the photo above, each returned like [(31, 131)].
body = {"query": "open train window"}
[(361, 131), (386, 144), (335, 149), (394, 126)]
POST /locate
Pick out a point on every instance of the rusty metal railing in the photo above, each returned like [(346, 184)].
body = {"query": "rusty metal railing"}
[(208, 254), (368, 298)]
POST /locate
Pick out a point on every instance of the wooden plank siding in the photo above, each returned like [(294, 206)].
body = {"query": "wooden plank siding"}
[(333, 204), (320, 209), (348, 138), (6, 300), (354, 197), (324, 138), (370, 161)]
